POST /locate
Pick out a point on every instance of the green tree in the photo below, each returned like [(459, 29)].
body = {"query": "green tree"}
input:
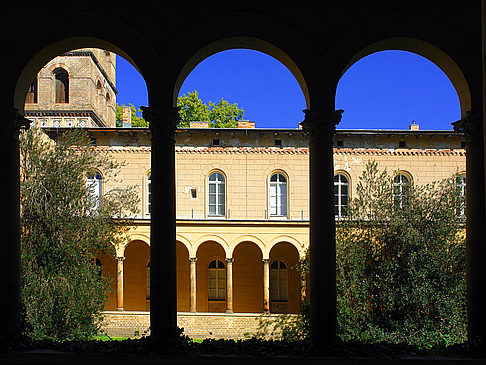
[(220, 115), (401, 270), (65, 227), (136, 120), (192, 109)]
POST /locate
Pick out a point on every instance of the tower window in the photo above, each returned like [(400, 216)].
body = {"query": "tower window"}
[(31, 96), (61, 85)]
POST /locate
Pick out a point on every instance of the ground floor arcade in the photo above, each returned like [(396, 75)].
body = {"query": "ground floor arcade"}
[(222, 267)]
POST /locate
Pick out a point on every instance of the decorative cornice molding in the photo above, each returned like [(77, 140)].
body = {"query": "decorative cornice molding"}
[(321, 125), (163, 121), (472, 127), (295, 151), (66, 113)]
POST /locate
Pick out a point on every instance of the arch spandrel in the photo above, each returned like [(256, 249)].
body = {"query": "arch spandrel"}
[(50, 43), (226, 31), (180, 238), (423, 36)]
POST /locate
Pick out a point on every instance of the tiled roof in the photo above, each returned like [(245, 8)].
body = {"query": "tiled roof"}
[(292, 151)]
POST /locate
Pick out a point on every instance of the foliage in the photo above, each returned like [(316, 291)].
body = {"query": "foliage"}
[(137, 121), (192, 109), (64, 228), (401, 265), (220, 115)]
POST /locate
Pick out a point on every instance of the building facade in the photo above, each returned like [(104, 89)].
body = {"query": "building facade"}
[(243, 210), (242, 194)]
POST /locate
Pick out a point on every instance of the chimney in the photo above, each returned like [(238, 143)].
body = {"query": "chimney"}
[(198, 124), (246, 124), (127, 117), (414, 126)]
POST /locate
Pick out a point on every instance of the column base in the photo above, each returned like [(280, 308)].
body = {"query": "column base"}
[(229, 311), (120, 309)]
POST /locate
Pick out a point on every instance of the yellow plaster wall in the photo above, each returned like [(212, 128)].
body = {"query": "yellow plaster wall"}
[(247, 279), (183, 278), (137, 254)]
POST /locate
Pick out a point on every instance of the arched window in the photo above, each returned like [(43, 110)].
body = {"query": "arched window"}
[(108, 98), (278, 281), (401, 191), (31, 96), (216, 196), (341, 195), (278, 195), (149, 193), (93, 186), (61, 85), (217, 280), (147, 273), (461, 192)]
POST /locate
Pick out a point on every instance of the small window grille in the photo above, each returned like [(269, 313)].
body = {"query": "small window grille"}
[(56, 123), (193, 193), (278, 143), (216, 142), (401, 144)]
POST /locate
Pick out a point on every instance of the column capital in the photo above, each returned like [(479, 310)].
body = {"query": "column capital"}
[(120, 258), (266, 261), (472, 127), (321, 125), (192, 260), (11, 122), (163, 121), (229, 260)]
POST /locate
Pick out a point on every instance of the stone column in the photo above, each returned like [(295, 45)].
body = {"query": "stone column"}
[(163, 287), (192, 261), (10, 124), (119, 283), (471, 126), (321, 126), (229, 285), (266, 285)]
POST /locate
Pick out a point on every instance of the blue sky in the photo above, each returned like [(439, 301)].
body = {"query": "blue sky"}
[(385, 90)]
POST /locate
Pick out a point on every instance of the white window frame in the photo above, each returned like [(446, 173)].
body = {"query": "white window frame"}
[(277, 275), (400, 184), (339, 184), (94, 188), (148, 194), (281, 208), (219, 278), (461, 185), (218, 202)]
